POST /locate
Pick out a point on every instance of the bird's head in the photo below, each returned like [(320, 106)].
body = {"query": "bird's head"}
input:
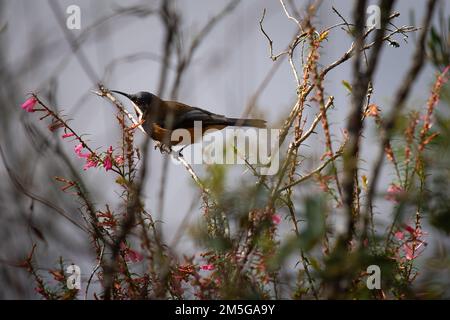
[(141, 100)]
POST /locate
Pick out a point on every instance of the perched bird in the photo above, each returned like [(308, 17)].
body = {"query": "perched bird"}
[(159, 118)]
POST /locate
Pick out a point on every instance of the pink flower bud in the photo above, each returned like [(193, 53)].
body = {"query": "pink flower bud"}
[(399, 235), (90, 164), (28, 105), (119, 160), (276, 219), (107, 163), (207, 267), (68, 135), (78, 149)]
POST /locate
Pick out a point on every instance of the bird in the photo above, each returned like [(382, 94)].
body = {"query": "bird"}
[(159, 118)]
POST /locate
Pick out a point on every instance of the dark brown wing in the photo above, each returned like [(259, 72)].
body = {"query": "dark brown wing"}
[(185, 117)]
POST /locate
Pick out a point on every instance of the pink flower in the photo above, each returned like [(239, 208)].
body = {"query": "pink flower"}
[(413, 250), (399, 235), (411, 230), (276, 219), (409, 255), (412, 243), (67, 135), (78, 149), (107, 163), (394, 192), (133, 256), (28, 105), (90, 164), (129, 254), (207, 267), (119, 160)]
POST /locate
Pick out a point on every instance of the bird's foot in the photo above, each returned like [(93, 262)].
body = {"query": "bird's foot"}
[(163, 148)]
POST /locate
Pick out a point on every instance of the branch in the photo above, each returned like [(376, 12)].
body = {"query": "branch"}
[(186, 60), (103, 92), (272, 56), (289, 16), (398, 105), (191, 171), (355, 125), (19, 185), (314, 172), (84, 62)]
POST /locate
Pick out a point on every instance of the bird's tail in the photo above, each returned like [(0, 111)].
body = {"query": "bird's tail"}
[(257, 123)]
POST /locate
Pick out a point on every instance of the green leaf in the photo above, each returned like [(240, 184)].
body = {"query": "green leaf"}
[(347, 86)]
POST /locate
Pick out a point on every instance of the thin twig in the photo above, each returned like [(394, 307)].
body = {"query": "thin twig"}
[(291, 17), (100, 259), (103, 92), (19, 185), (398, 105), (313, 172)]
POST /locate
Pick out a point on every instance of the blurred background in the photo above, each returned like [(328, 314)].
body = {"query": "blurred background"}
[(123, 42)]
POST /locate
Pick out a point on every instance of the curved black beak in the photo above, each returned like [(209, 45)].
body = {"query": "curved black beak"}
[(129, 96), (133, 100)]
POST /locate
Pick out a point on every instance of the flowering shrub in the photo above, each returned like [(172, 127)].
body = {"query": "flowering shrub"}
[(275, 236)]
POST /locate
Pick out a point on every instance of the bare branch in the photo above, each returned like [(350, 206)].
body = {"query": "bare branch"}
[(398, 105), (314, 172)]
